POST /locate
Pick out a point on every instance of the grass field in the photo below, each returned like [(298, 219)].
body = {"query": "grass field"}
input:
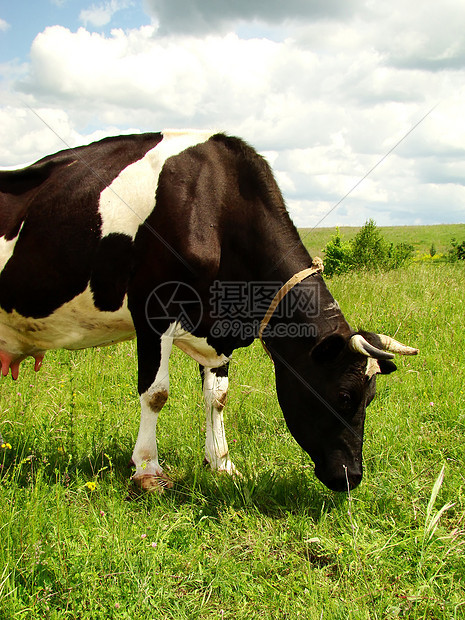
[(76, 542), (421, 237)]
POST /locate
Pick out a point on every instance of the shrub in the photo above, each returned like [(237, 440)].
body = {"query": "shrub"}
[(368, 250), (457, 251), (338, 255), (399, 255)]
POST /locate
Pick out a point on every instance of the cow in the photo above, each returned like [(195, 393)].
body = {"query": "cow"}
[(183, 238)]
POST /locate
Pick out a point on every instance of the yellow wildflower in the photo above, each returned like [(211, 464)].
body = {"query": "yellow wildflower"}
[(7, 446), (91, 485)]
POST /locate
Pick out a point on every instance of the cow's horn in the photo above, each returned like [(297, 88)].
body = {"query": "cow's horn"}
[(389, 344), (358, 344)]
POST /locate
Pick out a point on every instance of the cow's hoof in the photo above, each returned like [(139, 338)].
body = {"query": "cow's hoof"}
[(153, 483), (226, 466), (232, 471)]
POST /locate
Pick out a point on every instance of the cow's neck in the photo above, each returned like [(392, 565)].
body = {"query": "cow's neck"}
[(277, 252), (287, 256), (273, 253)]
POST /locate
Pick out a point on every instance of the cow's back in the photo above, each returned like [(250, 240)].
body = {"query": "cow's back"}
[(67, 228)]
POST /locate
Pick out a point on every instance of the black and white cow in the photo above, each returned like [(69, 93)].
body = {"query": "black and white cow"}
[(134, 236)]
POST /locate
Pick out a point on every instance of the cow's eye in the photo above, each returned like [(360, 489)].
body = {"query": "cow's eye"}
[(345, 400)]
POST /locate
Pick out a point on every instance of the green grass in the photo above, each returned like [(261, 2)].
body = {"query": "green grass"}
[(421, 237), (276, 544)]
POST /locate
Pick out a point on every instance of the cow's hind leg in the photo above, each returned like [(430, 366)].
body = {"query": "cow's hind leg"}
[(153, 359), (215, 389)]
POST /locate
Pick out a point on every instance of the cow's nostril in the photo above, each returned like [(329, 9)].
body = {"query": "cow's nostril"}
[(343, 482)]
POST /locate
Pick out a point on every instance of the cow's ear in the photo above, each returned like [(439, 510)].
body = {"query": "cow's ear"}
[(386, 367), (328, 349)]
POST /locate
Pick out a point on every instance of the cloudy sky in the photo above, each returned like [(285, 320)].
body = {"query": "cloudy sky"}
[(324, 88)]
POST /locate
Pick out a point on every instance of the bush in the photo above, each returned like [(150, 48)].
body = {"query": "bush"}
[(399, 255), (368, 250), (338, 255), (457, 251)]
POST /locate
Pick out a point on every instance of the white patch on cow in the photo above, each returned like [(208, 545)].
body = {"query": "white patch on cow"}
[(215, 390), (197, 348), (77, 324), (6, 250), (127, 202), (372, 367), (145, 455)]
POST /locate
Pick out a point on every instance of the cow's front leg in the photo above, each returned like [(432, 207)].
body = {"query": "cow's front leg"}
[(149, 475), (215, 389)]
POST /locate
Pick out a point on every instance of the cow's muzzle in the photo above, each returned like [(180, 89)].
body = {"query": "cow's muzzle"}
[(340, 479)]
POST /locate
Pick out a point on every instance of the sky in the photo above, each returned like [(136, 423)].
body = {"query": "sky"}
[(358, 105)]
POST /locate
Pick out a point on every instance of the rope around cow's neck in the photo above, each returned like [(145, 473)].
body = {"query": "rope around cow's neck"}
[(317, 267)]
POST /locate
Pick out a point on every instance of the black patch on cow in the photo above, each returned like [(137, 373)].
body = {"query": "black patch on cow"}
[(219, 371), (327, 351), (111, 271), (54, 255), (16, 189), (254, 175)]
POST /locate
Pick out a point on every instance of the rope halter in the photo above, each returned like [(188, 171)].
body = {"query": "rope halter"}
[(317, 267)]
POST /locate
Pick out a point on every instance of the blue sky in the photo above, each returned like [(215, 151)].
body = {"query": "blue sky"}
[(324, 88), (25, 22)]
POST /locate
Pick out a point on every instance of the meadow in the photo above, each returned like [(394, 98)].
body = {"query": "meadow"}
[(77, 542), (420, 237)]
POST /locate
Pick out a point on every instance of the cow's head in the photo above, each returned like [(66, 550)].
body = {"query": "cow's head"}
[(324, 391)]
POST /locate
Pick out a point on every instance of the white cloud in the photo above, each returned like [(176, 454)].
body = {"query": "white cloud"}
[(101, 14), (31, 133), (427, 36), (26, 136), (204, 16), (216, 79), (327, 99), (4, 25)]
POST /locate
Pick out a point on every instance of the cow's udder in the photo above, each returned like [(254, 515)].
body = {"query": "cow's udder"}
[(12, 362)]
